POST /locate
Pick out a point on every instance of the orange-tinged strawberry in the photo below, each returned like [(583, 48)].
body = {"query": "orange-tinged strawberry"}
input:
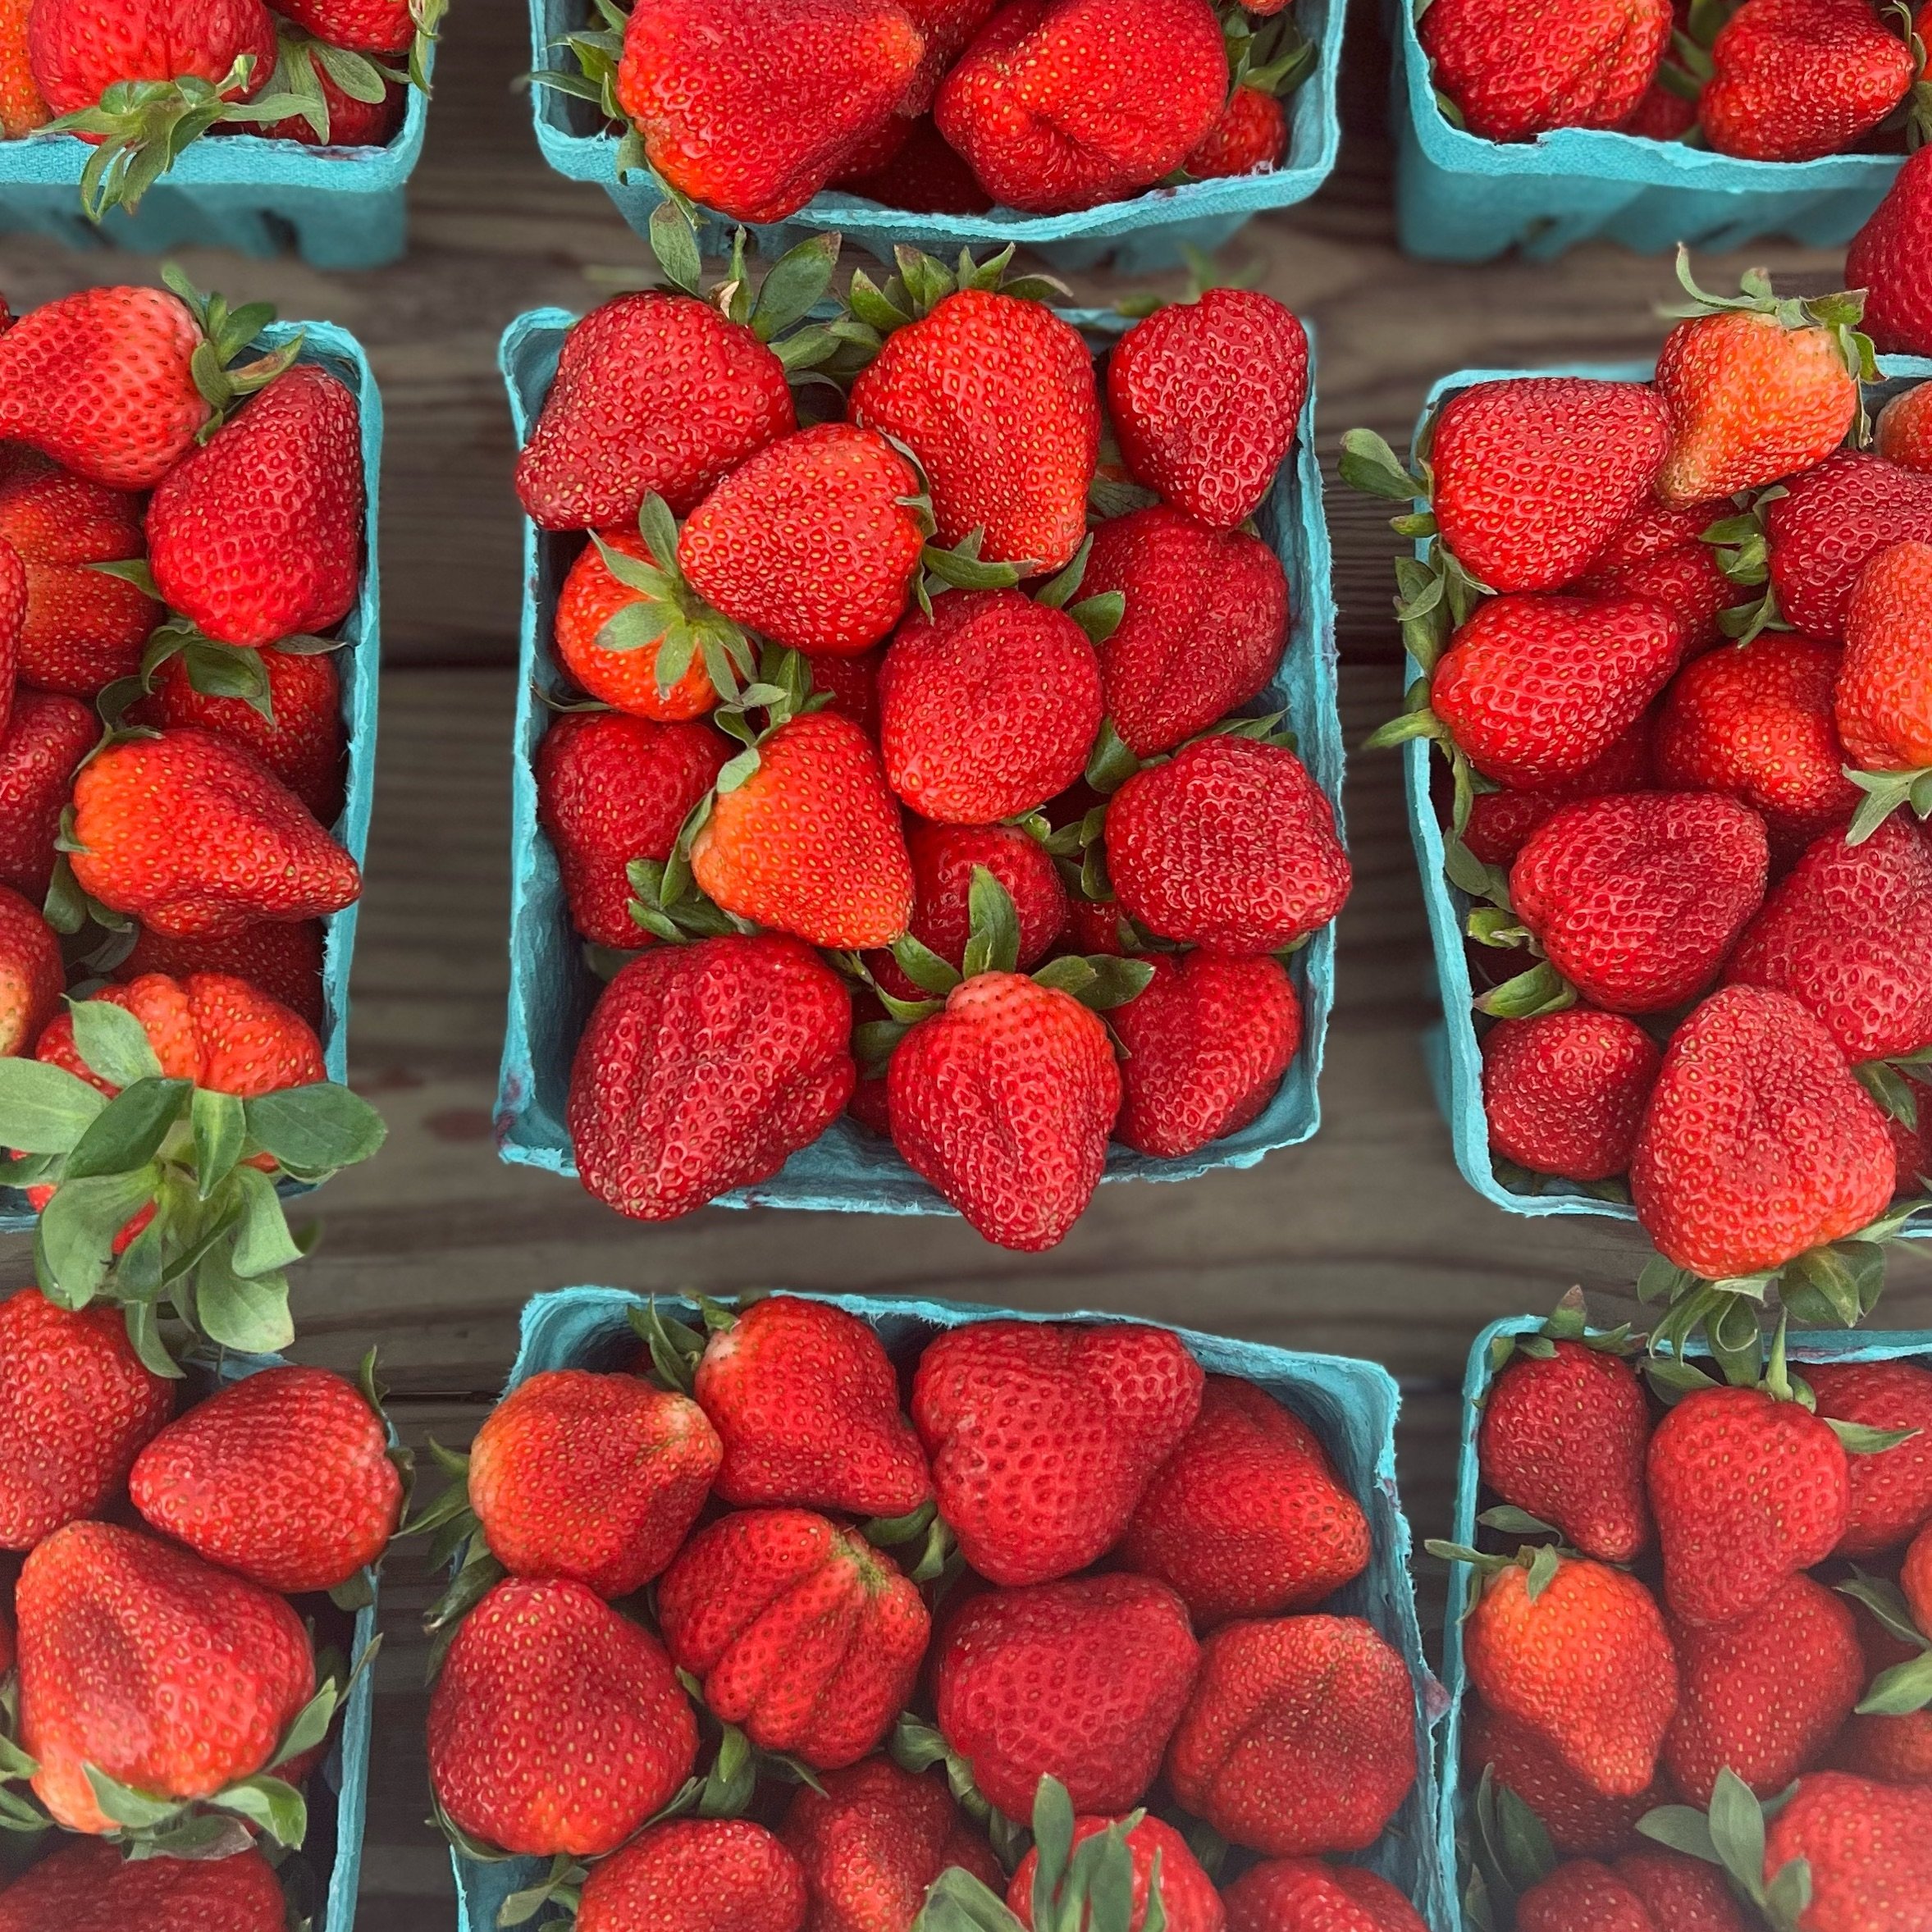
[(1905, 429), (21, 108), (1160, 1855), (88, 1887), (591, 596), (1891, 1493), (1564, 1093), (1306, 1895), (1581, 1821), (32, 975), (1868, 1847), (1884, 696), (283, 961), (45, 740), (694, 1875)]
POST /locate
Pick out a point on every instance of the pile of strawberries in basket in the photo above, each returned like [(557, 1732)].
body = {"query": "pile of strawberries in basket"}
[(1761, 79), (948, 107), (885, 728), (1704, 1707), (1082, 1573), (1676, 640)]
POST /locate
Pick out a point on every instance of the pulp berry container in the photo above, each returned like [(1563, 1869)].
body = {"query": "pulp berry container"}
[(849, 1170), (1461, 199), (337, 207), (358, 663), (1144, 232), (1451, 1046), (1351, 1405), (1806, 1345)]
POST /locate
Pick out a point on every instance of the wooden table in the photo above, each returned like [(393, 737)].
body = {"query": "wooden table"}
[(1365, 1241)]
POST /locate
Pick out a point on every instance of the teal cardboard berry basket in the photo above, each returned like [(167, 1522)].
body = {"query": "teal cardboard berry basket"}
[(1146, 232), (1351, 1405), (849, 1170), (1452, 1045), (1809, 1344), (358, 665), (1462, 199)]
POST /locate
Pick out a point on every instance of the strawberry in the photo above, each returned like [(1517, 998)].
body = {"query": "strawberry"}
[(302, 743), (1250, 134), (1230, 844), (1082, 1680), (209, 1671), (1891, 1493), (1655, 529), (1681, 1893), (995, 397), (1564, 1091), (1513, 76), (1582, 1897), (806, 1405), (1189, 1902), (21, 109), (45, 739), (1662, 115), (1915, 1579), (924, 174), (1829, 523), (1894, 1750), (1003, 1100), (595, 1478), (1207, 1041), (1748, 1490), (32, 975), (612, 788), (1581, 1821), (851, 685), (1205, 625), (594, 601), (1847, 932), (801, 1631), (813, 541), (363, 26), (1689, 582), (1562, 1437), (1755, 721), (1063, 104), (1887, 259), (1299, 1735), (1758, 1144), (872, 1840), (1904, 431), (1534, 690), (1043, 1437), (1577, 1652), (257, 534), (1501, 822), (352, 122), (948, 25), (1637, 899), (88, 1887), (77, 1404), (284, 961), (1305, 1895), (694, 1875), (810, 842), (703, 1068), (1797, 79), (987, 708), (83, 627), (1883, 699), (1248, 1517), (1867, 1846)]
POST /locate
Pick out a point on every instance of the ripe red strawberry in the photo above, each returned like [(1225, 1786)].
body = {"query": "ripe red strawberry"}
[(1563, 1437), (1206, 621), (1887, 260), (948, 26), (284, 1477), (1884, 702), (258, 533), (1061, 104), (364, 26), (811, 541), (987, 708), (1757, 1143), (194, 837), (1564, 1092), (1305, 1895), (1230, 844), (1189, 1902), (1248, 1517), (1915, 1579), (85, 1886), (1894, 1750), (1797, 79), (1581, 1821), (852, 686), (352, 123), (1689, 582), (612, 788), (597, 1478), (1868, 1846), (1299, 1735), (1756, 722), (1830, 523), (1848, 932), (283, 961), (872, 1839), (1655, 529), (21, 109), (1207, 1040), (1582, 1897), (1638, 899), (1043, 1437), (1748, 1490), (1003, 1100), (208, 1670), (1662, 115), (694, 1875), (1891, 1493), (801, 1631), (1500, 822), (1082, 1680), (1904, 431), (591, 597), (45, 739), (79, 52), (556, 1724), (1533, 478), (77, 1404), (1513, 76), (924, 174), (705, 1067), (807, 1405), (1248, 134), (100, 382), (1681, 1893), (82, 628), (32, 975), (995, 397), (1534, 690), (1585, 1663)]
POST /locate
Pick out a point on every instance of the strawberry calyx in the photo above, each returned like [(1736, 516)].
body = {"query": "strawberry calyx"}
[(1889, 1082), (1915, 113), (1899, 1689), (921, 282), (1885, 793), (1494, 923), (295, 90), (18, 1812), (1742, 551), (427, 16), (1568, 1321), (458, 1544), (598, 51), (226, 333), (1731, 1836), (1839, 315)]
